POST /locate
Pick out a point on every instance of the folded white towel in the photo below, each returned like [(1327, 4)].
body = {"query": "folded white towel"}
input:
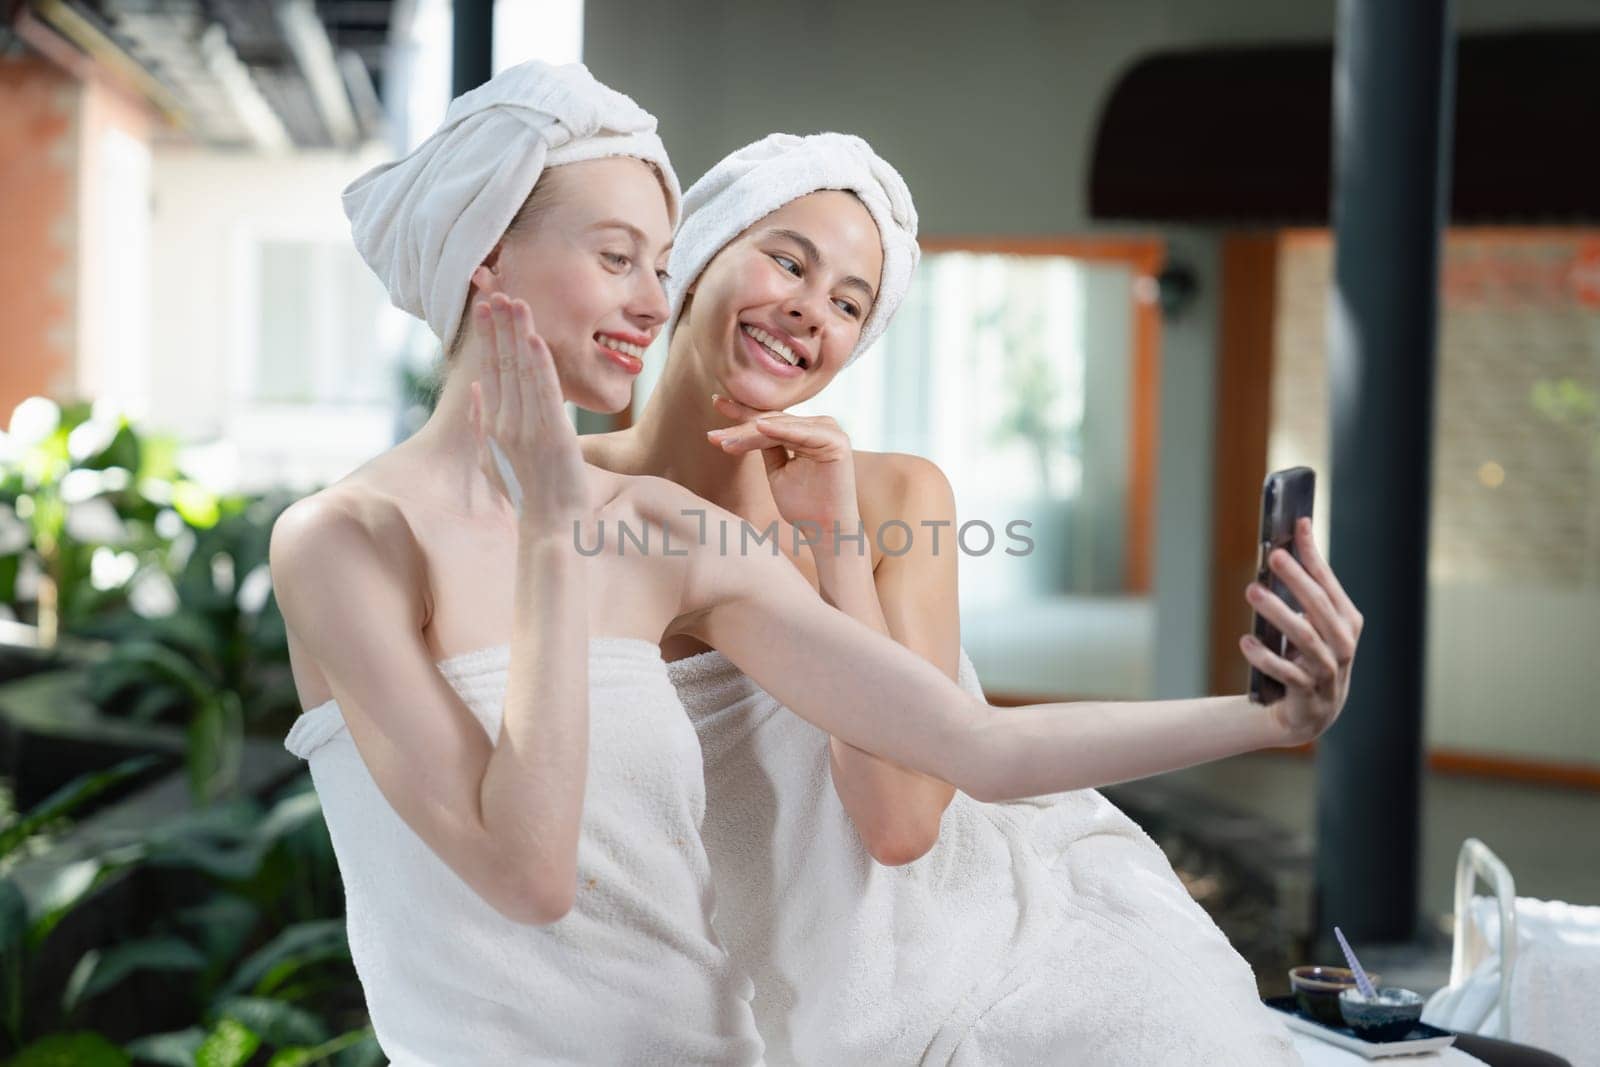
[(1553, 979), (1030, 934), (759, 178), (425, 222), (632, 975)]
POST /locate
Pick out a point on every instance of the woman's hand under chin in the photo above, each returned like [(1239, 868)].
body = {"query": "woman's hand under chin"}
[(1316, 673), (809, 463)]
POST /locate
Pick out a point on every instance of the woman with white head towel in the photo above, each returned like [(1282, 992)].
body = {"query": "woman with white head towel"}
[(512, 787), (884, 917)]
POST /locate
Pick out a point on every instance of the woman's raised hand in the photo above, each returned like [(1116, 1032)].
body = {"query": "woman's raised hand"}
[(809, 462), (1316, 671), (517, 403)]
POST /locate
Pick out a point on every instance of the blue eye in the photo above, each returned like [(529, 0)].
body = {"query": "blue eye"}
[(615, 259), (787, 264), (848, 308)]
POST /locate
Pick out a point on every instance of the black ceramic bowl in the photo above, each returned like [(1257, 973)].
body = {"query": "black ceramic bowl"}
[(1388, 1018), (1316, 991)]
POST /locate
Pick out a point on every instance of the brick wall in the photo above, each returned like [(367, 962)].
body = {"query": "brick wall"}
[(38, 224)]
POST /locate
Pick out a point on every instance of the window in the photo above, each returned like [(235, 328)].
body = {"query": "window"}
[(319, 350), (316, 311), (1020, 376)]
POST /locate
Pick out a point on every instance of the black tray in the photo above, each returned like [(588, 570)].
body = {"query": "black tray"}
[(1420, 1031)]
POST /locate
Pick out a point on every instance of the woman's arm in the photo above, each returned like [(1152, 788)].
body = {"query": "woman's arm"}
[(503, 813), (860, 686), (912, 598)]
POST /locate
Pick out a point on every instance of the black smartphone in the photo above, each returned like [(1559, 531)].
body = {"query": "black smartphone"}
[(1286, 498)]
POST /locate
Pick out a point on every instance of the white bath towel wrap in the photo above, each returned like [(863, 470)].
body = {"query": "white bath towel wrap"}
[(633, 974), (1053, 932)]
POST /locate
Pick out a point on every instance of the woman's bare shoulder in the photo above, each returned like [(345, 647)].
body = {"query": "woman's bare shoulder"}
[(663, 501), (898, 485), (346, 525), (611, 451)]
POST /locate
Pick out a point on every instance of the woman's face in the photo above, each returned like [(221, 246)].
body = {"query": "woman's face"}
[(590, 267), (780, 308)]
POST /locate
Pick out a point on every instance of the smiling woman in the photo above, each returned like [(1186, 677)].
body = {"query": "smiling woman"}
[(885, 917), (782, 311)]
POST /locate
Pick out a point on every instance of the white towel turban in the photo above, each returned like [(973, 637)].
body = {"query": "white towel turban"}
[(425, 222), (760, 178)]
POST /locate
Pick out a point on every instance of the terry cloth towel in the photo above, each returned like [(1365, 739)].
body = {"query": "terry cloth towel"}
[(1555, 973), (759, 178), (1032, 933), (633, 974), (425, 222)]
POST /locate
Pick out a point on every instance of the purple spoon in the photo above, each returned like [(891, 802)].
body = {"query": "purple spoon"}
[(1363, 983)]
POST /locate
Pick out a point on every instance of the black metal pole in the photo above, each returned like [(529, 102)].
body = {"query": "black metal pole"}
[(472, 46), (1394, 88)]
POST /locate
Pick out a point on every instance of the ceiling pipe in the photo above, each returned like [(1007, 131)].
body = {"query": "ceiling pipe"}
[(312, 51), (265, 128), (358, 83)]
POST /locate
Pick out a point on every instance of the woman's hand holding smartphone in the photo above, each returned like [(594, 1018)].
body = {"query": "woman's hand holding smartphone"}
[(1306, 628)]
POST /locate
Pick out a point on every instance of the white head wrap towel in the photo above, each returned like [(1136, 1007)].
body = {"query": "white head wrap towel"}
[(425, 222), (760, 178)]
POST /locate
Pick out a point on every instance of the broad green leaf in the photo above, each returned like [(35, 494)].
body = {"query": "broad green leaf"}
[(302, 939), (277, 1023), (152, 703), (221, 926), (159, 457), (10, 568), (367, 1053), (230, 1044), (101, 969), (70, 797), (13, 918), (298, 1056), (196, 503), (72, 885), (230, 863), (13, 958), (233, 821), (290, 814), (216, 746), (122, 451), (71, 1050), (282, 971), (175, 1049), (165, 663)]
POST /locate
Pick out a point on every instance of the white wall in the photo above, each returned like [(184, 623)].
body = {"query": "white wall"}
[(1511, 670), (987, 108), (207, 208)]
